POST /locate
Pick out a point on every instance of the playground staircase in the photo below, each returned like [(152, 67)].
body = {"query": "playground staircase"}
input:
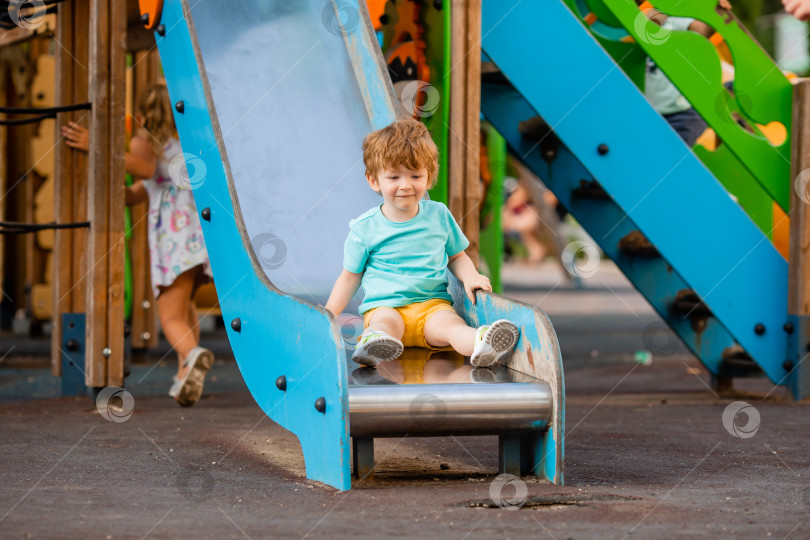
[(692, 230)]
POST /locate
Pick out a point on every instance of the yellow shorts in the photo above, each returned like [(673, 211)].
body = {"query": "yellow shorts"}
[(414, 317)]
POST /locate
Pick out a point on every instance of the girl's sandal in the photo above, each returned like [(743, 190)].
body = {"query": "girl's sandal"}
[(187, 391)]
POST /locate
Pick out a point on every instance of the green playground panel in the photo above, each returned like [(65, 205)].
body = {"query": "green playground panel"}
[(763, 93), (723, 164), (127, 238), (491, 236), (127, 258), (437, 38)]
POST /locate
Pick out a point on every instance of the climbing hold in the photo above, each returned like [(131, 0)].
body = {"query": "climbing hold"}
[(206, 213), (759, 329), (320, 404), (788, 327), (602, 149), (72, 345), (787, 365), (180, 106), (145, 19), (161, 30), (236, 324), (281, 383), (384, 19)]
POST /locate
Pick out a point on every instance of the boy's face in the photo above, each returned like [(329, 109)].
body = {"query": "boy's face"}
[(401, 188)]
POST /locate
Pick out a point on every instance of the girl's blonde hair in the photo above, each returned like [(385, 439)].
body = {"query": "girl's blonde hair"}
[(404, 142), (158, 123)]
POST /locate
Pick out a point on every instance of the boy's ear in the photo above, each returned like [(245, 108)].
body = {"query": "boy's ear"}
[(372, 181)]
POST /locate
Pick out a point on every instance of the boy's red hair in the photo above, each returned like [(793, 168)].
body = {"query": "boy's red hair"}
[(405, 142)]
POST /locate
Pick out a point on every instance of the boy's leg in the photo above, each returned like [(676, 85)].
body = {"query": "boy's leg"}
[(447, 328), (386, 320), (375, 348), (688, 124)]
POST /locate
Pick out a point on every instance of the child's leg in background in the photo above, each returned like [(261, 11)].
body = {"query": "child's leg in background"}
[(688, 124), (388, 321), (194, 320), (447, 328), (173, 308)]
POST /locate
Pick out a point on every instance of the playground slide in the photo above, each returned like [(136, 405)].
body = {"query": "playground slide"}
[(272, 101), (704, 241)]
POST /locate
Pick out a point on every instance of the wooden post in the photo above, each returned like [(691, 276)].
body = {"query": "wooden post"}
[(799, 257), (104, 356), (464, 185), (799, 260), (114, 180), (70, 173), (146, 71), (3, 180)]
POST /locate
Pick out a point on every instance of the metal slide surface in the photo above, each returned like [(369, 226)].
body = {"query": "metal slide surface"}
[(292, 119)]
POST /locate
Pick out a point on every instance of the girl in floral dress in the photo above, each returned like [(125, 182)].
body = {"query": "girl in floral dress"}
[(179, 260)]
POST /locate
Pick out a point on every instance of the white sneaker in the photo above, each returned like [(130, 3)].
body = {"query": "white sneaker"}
[(483, 375), (376, 347), (494, 341)]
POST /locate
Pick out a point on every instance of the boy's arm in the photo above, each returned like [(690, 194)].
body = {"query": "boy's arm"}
[(345, 287), (463, 268), (723, 8), (696, 26)]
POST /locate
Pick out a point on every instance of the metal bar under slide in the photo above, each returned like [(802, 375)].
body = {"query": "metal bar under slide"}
[(449, 409)]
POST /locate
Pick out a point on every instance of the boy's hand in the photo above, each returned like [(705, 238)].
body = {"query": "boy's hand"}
[(478, 282)]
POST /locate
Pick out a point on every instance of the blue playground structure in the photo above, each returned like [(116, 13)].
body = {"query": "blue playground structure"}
[(271, 104)]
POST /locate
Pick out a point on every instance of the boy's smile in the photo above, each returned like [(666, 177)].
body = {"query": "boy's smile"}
[(401, 189)]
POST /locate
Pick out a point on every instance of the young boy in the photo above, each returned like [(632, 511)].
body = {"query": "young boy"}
[(400, 252)]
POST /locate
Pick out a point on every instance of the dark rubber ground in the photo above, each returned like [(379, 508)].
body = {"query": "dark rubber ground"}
[(647, 456)]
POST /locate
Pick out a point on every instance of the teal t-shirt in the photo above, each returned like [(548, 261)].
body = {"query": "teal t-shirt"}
[(664, 96), (403, 263)]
